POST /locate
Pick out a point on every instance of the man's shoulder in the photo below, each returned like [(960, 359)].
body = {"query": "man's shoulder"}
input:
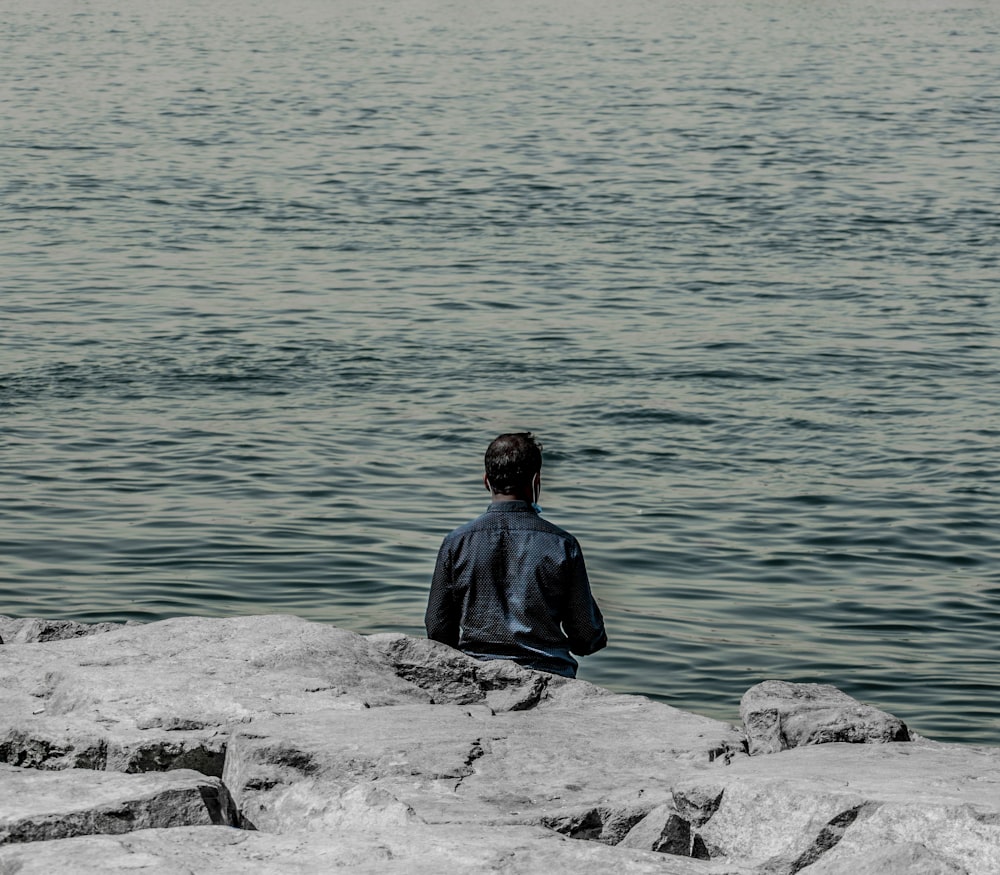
[(552, 529), (464, 529)]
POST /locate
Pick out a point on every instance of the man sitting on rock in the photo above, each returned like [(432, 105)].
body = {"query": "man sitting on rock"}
[(509, 584)]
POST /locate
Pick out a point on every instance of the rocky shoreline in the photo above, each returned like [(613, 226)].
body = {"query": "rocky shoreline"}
[(272, 744)]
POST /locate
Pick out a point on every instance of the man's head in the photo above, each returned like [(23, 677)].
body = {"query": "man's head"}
[(513, 463)]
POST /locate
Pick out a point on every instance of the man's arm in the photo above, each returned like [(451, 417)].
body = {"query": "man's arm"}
[(584, 623), (443, 612)]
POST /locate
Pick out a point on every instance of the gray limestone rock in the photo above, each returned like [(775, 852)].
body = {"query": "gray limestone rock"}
[(394, 754), (33, 630), (454, 678), (37, 806), (166, 695), (898, 858), (917, 839), (422, 850), (778, 715), (663, 830), (789, 812), (588, 764)]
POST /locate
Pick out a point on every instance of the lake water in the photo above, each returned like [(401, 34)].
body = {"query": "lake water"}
[(273, 275)]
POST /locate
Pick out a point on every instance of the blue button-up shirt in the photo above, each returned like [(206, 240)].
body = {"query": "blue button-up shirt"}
[(511, 585)]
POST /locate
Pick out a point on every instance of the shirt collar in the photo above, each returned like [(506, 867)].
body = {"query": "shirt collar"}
[(510, 507)]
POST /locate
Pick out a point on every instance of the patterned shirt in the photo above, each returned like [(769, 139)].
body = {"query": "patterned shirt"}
[(511, 585)]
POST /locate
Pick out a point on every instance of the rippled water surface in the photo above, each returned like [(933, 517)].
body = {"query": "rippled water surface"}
[(274, 274)]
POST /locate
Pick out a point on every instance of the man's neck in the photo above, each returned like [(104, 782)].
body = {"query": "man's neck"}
[(501, 496)]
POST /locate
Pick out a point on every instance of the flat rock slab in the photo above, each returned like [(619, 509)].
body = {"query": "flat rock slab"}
[(899, 839), (166, 695), (415, 850), (925, 772), (790, 812), (778, 715), (37, 806), (582, 761), (162, 695)]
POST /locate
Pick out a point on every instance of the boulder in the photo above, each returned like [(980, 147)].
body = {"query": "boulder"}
[(785, 813), (36, 806), (165, 695), (778, 715), (663, 830), (449, 676)]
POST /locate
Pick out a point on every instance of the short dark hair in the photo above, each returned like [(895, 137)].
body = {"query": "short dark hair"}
[(512, 460)]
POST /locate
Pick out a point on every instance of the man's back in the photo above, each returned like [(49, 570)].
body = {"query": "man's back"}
[(511, 585)]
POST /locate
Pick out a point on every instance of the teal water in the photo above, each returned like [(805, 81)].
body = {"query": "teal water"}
[(273, 275)]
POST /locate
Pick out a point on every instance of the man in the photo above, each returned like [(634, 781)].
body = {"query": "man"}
[(509, 584)]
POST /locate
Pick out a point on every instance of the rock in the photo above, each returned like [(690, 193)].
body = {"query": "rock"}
[(664, 830), (774, 825), (37, 806), (921, 772), (165, 695), (907, 858), (778, 715), (8, 626), (394, 754), (425, 850), (587, 763), (452, 677), (926, 839), (784, 813), (37, 630)]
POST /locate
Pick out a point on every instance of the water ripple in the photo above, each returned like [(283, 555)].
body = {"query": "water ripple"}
[(272, 281)]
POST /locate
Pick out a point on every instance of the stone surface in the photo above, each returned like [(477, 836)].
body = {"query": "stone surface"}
[(778, 715), (36, 806), (785, 813), (165, 695), (394, 754), (451, 677), (907, 839), (37, 630), (428, 850), (582, 761), (907, 858), (663, 830)]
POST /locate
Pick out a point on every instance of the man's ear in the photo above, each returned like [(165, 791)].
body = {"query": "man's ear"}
[(486, 483)]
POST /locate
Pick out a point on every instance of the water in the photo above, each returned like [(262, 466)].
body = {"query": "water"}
[(273, 275)]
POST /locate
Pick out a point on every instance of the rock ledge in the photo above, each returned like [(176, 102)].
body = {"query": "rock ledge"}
[(145, 745)]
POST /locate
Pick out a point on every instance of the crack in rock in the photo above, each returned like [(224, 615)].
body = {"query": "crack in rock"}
[(832, 833), (476, 752)]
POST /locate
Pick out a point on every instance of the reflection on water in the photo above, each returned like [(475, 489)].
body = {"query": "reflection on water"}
[(274, 278)]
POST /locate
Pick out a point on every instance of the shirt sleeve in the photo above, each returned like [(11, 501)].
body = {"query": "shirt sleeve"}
[(443, 611), (583, 623)]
